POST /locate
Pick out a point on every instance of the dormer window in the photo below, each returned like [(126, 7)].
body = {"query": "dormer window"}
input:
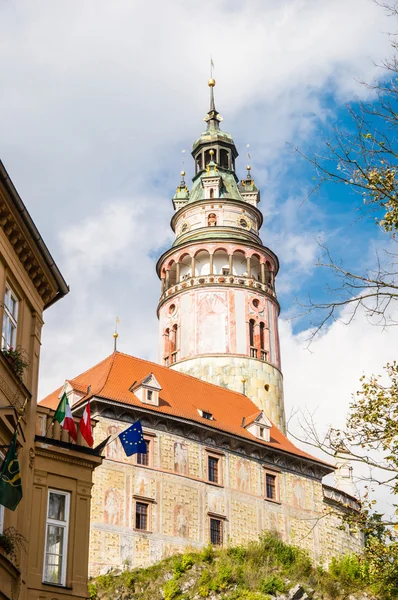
[(258, 425), (147, 390), (205, 414)]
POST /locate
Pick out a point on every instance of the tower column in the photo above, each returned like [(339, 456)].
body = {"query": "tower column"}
[(211, 264), (193, 266), (230, 264), (249, 273), (262, 267), (178, 273), (167, 278)]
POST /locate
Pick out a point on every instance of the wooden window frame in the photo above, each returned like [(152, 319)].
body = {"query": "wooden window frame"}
[(148, 502), (221, 520), (218, 458), (276, 475), (65, 526), (149, 453)]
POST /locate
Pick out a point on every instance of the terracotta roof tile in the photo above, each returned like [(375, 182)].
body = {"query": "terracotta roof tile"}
[(181, 396)]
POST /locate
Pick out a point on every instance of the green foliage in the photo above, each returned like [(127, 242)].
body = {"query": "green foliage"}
[(171, 590), (92, 591), (207, 554), (258, 571), (272, 585), (183, 564), (347, 570)]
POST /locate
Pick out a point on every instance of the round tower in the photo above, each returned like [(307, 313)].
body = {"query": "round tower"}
[(218, 309)]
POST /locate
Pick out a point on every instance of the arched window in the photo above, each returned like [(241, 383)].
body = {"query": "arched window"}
[(211, 192), (224, 159), (253, 349), (251, 332), (262, 338), (166, 354), (199, 162)]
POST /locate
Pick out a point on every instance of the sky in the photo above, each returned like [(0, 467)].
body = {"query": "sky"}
[(98, 100)]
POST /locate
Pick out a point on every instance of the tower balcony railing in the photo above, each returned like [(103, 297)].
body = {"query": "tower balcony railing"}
[(253, 352), (225, 280)]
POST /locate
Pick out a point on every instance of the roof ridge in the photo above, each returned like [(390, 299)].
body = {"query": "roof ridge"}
[(114, 354), (91, 368)]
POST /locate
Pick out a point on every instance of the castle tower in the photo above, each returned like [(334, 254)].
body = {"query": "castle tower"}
[(218, 310)]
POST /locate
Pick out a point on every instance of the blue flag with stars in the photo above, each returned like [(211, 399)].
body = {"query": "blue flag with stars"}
[(132, 439)]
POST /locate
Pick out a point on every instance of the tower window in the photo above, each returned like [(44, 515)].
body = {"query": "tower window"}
[(262, 328), (211, 192), (224, 159), (251, 332)]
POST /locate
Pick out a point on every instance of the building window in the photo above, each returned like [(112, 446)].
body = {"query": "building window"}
[(10, 319), (216, 531), (271, 487), (213, 471), (141, 515), (261, 432), (149, 395), (225, 271), (251, 332), (143, 459), (56, 537)]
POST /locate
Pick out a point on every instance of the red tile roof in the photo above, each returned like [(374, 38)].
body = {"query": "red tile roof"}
[(181, 396)]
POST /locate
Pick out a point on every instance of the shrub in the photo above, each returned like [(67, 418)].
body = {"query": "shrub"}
[(171, 590), (272, 585)]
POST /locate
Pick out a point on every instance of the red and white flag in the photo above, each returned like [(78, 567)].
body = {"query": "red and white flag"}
[(85, 425)]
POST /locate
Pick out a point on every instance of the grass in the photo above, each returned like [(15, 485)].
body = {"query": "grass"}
[(257, 571)]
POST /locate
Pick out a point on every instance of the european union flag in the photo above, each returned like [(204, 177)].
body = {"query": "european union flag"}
[(132, 439)]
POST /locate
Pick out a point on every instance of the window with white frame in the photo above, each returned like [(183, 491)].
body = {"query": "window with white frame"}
[(56, 537), (10, 319)]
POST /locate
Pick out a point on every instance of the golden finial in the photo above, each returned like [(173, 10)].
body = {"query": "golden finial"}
[(211, 152), (115, 335), (248, 167), (182, 173), (211, 82)]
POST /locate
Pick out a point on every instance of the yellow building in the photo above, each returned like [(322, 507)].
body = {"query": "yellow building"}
[(216, 470), (52, 516)]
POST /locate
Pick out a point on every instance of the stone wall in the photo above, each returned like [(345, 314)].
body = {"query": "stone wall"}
[(263, 385), (181, 501)]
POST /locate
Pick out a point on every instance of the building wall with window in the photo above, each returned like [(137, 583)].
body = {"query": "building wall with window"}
[(51, 469), (184, 493)]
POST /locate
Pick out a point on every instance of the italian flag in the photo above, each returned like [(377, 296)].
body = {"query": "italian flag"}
[(63, 415)]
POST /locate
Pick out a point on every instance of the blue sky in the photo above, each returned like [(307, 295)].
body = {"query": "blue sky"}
[(99, 99)]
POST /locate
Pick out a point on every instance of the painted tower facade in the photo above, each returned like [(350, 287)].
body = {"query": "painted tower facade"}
[(218, 309)]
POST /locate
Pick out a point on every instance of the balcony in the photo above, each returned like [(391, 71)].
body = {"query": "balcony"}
[(223, 280)]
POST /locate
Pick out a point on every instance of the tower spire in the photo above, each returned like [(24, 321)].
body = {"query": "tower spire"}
[(212, 118)]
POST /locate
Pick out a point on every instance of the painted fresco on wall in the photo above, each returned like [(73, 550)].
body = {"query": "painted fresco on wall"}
[(298, 494), (112, 507), (212, 322), (243, 476), (114, 450), (181, 521), (180, 458)]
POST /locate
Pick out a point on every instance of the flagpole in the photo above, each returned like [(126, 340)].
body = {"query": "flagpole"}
[(21, 414)]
